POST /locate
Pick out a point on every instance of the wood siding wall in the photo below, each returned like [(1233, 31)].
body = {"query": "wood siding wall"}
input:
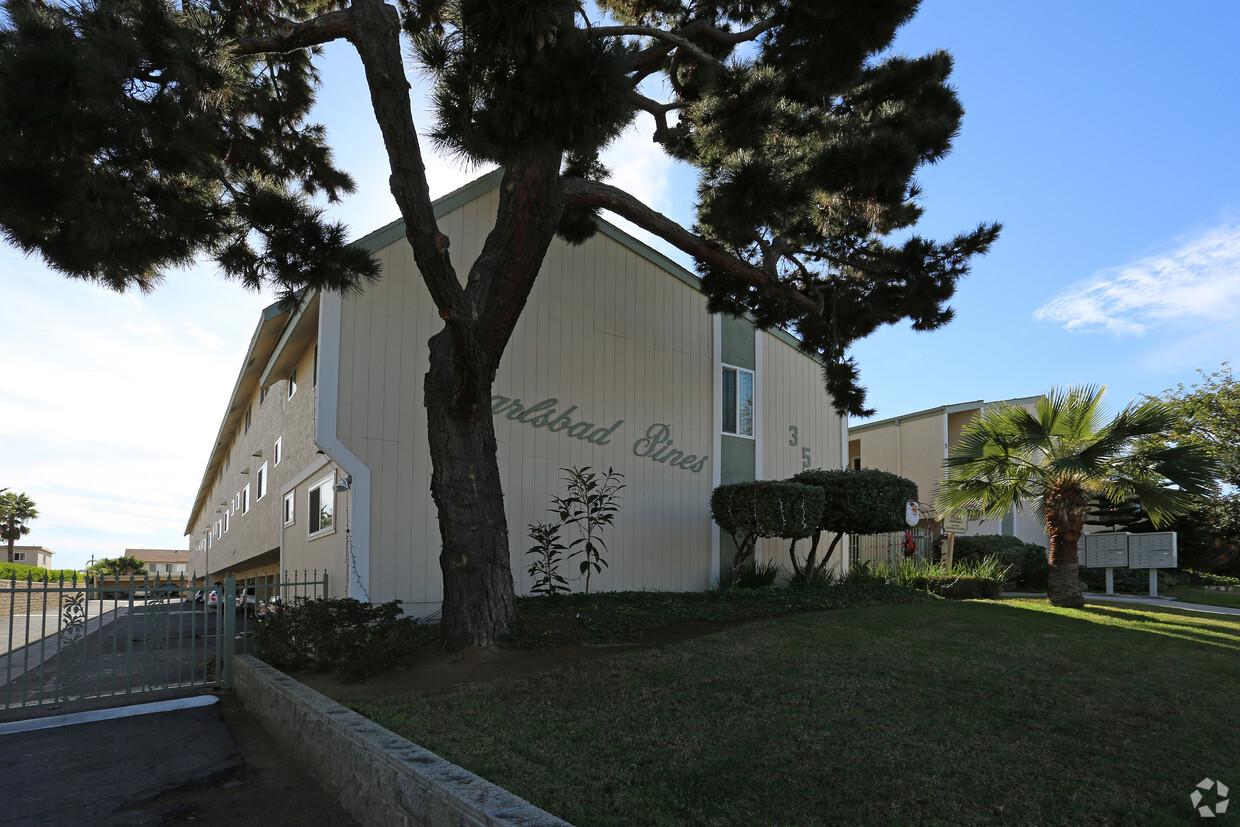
[(605, 330)]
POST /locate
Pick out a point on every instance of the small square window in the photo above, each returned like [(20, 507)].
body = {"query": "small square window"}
[(322, 502), (737, 401)]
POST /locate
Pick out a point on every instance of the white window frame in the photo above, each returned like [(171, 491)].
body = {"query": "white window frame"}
[(19, 557), (290, 508), (736, 413), (323, 487), (279, 450), (261, 482), (292, 383), (227, 520), (245, 499)]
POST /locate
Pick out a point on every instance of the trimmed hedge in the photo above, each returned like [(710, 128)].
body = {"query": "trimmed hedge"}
[(864, 501), (767, 508), (16, 571)]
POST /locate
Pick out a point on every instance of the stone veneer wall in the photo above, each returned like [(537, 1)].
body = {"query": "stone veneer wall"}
[(33, 598), (379, 777)]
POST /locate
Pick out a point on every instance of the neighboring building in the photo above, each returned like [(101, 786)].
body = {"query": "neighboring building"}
[(165, 563), (321, 461), (915, 446), (33, 556)]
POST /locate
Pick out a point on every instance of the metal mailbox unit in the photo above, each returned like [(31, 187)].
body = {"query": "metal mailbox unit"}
[(1115, 549)]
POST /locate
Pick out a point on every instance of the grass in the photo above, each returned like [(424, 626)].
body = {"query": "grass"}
[(619, 617), (1208, 597), (928, 712)]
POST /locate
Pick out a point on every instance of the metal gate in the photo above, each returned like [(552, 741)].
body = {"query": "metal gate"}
[(66, 645)]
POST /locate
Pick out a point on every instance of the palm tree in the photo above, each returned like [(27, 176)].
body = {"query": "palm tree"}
[(1060, 456), (16, 510)]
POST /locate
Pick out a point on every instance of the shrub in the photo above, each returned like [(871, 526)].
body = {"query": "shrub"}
[(342, 635), (17, 571), (968, 580), (862, 501), (753, 575), (1028, 562), (765, 508)]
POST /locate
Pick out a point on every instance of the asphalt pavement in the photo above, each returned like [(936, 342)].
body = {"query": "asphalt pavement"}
[(94, 768)]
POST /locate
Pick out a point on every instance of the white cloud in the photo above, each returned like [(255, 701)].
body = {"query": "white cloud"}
[(1196, 282)]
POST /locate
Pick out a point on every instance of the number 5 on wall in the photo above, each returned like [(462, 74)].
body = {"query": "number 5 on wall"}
[(805, 457)]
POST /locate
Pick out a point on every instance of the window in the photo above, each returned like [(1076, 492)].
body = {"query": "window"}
[(314, 377), (292, 383), (236, 504), (262, 396), (856, 463), (738, 401), (248, 412), (245, 499), (262, 481), (19, 556), (279, 452), (322, 506), (290, 501)]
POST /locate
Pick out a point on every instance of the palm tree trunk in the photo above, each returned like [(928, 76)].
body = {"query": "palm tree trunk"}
[(1065, 519)]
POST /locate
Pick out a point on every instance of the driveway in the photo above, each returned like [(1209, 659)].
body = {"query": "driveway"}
[(196, 760)]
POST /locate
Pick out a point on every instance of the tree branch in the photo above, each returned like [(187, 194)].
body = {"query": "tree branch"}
[(334, 25), (700, 29), (377, 38), (656, 33), (580, 192)]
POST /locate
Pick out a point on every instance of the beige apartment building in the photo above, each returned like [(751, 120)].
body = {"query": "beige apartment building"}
[(915, 445), (164, 563), (33, 556), (321, 462)]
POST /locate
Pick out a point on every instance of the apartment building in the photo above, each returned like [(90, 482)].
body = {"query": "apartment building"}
[(915, 445), (321, 461)]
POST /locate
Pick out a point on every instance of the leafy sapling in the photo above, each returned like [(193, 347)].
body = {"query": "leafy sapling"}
[(592, 503), (546, 552)]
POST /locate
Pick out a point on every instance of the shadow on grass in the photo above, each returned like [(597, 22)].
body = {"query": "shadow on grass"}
[(1216, 631)]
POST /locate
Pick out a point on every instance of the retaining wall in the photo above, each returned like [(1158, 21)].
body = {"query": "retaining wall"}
[(21, 598), (379, 777)]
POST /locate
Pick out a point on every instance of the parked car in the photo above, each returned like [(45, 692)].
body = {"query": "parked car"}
[(213, 599), (246, 601)]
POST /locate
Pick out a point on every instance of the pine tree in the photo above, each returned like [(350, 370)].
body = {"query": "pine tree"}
[(136, 135)]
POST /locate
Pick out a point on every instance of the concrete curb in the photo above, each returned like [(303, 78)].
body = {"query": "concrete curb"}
[(379, 777)]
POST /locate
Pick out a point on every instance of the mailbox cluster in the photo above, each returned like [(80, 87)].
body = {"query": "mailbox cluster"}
[(1120, 549)]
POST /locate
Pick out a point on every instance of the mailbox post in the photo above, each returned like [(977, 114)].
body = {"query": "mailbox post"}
[(1135, 551)]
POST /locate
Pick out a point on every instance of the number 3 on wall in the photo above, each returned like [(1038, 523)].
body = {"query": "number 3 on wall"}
[(796, 437)]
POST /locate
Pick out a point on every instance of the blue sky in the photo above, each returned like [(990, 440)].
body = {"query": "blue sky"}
[(1103, 136)]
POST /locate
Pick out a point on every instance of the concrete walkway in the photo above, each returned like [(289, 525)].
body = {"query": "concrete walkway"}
[(1169, 602)]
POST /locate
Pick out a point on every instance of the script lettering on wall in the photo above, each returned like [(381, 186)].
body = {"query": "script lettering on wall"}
[(656, 445)]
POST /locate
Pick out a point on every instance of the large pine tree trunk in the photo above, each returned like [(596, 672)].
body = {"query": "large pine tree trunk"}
[(465, 485), (1065, 519), (465, 482)]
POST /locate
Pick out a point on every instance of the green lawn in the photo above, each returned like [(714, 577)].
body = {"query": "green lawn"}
[(1191, 594), (933, 712)]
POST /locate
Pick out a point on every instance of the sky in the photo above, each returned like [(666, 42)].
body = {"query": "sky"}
[(1103, 135)]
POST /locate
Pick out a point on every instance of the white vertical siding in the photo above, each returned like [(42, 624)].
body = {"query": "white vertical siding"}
[(606, 330), (793, 395)]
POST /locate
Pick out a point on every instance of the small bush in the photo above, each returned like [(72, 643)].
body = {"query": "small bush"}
[(753, 575), (1028, 562), (813, 578), (341, 635), (967, 580)]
